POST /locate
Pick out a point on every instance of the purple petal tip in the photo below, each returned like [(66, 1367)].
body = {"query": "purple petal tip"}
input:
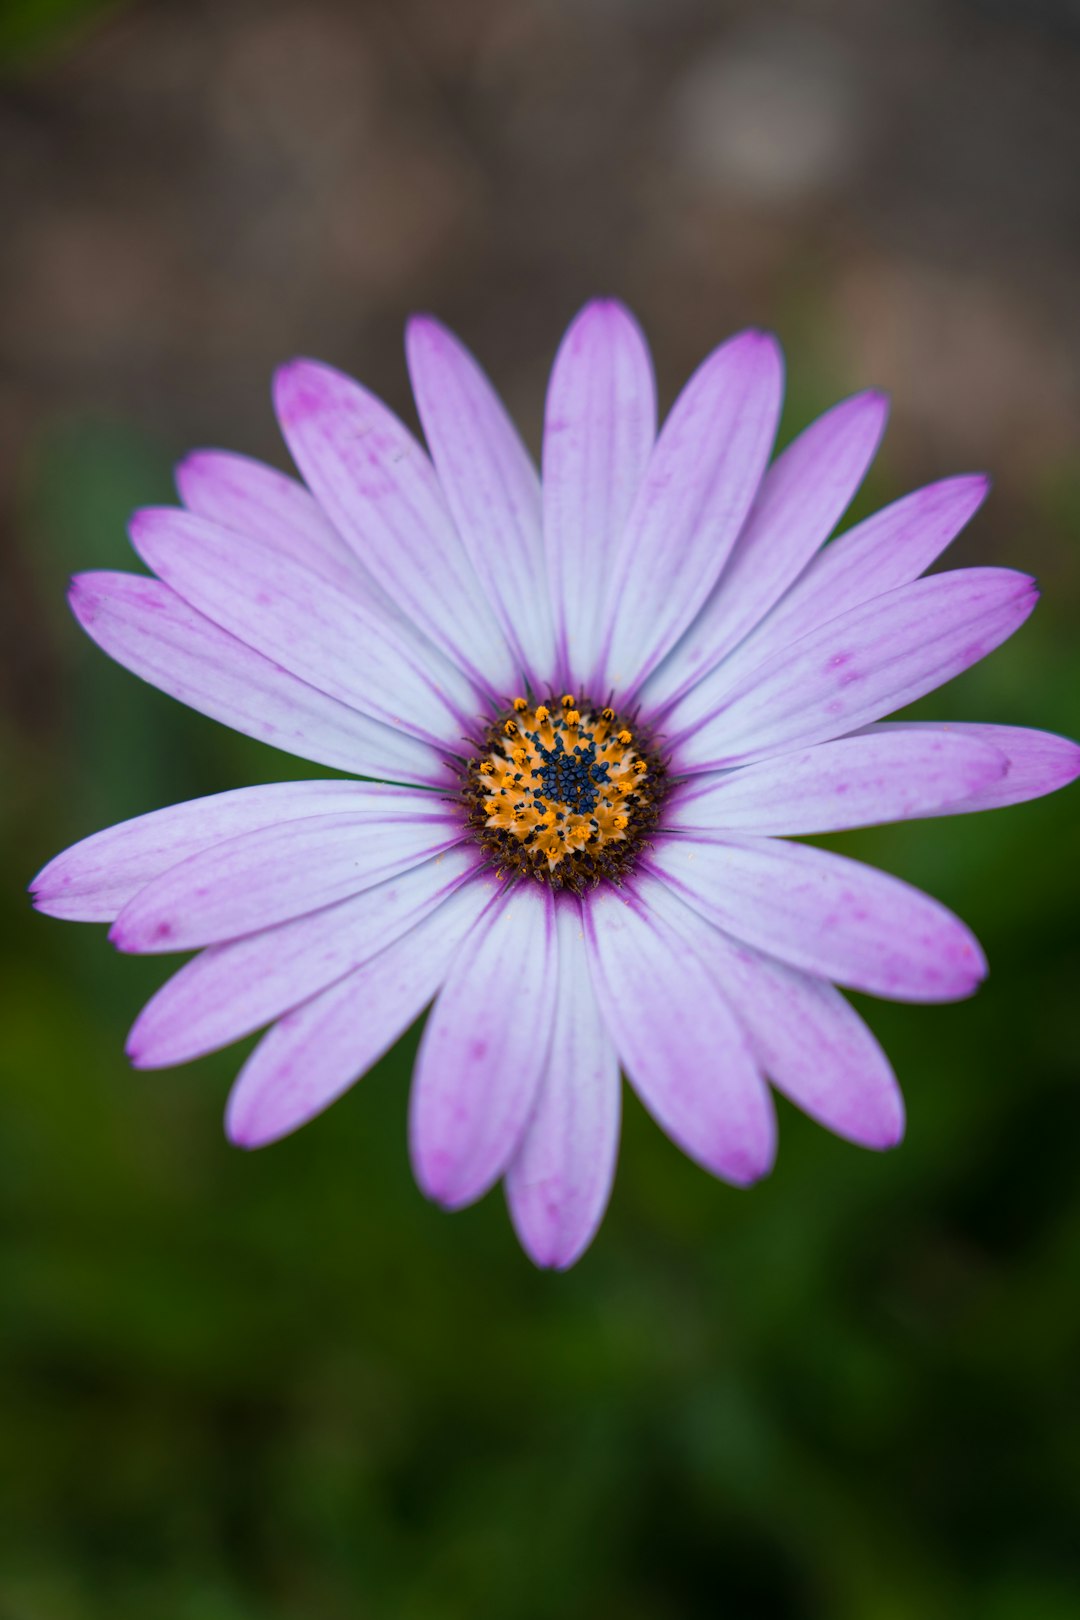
[(600, 316), (295, 388), (141, 522), (607, 306), (757, 338), (878, 402), (890, 1136), (1070, 766), (242, 1134), (281, 381), (976, 485), (436, 1180), (445, 1197), (552, 1258), (749, 1166), (83, 598), (42, 894), (423, 322), (187, 468)]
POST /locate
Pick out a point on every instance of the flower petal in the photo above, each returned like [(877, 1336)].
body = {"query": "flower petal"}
[(484, 1050), (559, 1183), (230, 990), (261, 878), (889, 549), (1037, 762), (323, 635), (266, 504), (702, 476), (857, 781), (153, 632), (491, 488), (856, 668), (599, 430), (802, 497), (828, 915), (380, 491), (813, 1046), (679, 1041), (318, 1050), (94, 879)]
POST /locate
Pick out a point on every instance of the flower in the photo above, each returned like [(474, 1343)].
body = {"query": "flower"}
[(591, 714)]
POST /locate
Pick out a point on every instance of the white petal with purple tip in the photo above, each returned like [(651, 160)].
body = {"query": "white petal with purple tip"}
[(702, 476), (889, 549), (491, 488), (317, 1051), (323, 635), (825, 914), (94, 879), (1037, 762), (484, 1050), (229, 991), (813, 1046), (802, 497), (381, 493), (265, 877), (855, 781), (268, 506), (559, 1183), (679, 1041), (599, 430), (854, 669), (158, 636)]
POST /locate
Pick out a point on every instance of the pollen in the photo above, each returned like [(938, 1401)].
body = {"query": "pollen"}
[(563, 793)]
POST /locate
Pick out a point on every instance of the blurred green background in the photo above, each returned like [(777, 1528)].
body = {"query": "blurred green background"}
[(251, 1387)]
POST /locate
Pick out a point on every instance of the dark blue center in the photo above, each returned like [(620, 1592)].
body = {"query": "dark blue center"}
[(572, 777)]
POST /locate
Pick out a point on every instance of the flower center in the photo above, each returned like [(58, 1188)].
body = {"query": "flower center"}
[(563, 793)]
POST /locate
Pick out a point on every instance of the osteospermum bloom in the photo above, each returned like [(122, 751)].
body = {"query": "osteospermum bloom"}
[(591, 712)]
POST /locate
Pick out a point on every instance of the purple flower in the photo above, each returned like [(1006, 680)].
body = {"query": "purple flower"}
[(595, 710)]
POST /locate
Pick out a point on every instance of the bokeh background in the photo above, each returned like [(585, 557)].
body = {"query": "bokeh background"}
[(279, 1385)]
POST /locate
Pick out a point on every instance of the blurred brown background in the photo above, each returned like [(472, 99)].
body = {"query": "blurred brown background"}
[(192, 191), (249, 1387)]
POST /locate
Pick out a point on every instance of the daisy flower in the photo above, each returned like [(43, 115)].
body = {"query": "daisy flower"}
[(580, 720)]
